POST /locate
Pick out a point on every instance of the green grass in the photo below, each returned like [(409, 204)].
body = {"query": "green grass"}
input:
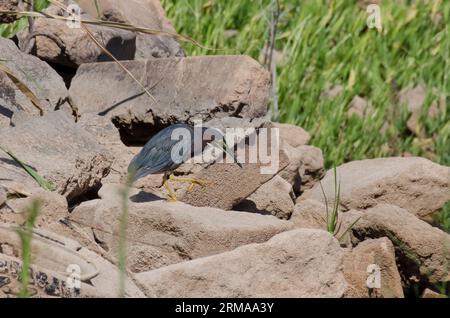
[(328, 41), (26, 233)]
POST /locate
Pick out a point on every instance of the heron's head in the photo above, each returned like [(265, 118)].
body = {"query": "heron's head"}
[(216, 138)]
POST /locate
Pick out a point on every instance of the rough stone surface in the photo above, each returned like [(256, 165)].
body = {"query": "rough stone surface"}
[(142, 13), (414, 99), (356, 263), (9, 5), (293, 135), (428, 293), (416, 184), (312, 214), (332, 91), (53, 207), (359, 107), (286, 266), (306, 167), (274, 197), (162, 233), (2, 196), (185, 89), (52, 255), (108, 136), (57, 149), (78, 47), (37, 75), (422, 250), (228, 184)]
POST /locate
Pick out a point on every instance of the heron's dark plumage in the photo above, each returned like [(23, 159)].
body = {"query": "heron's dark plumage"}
[(156, 156)]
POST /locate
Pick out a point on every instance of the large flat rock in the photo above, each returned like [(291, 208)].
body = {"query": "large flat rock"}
[(37, 75), (415, 184), (380, 255), (78, 47), (299, 263), (57, 149), (141, 13), (185, 89), (161, 233), (423, 251)]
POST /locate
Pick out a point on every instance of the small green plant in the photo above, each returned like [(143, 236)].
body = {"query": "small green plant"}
[(332, 219), (36, 176), (8, 30), (25, 233)]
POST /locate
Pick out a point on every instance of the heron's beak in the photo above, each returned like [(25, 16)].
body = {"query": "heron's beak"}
[(222, 145)]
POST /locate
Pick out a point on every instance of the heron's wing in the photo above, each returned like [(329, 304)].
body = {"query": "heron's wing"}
[(157, 156)]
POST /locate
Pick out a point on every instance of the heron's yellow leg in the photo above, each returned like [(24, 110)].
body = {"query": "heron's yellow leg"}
[(192, 181), (171, 196)]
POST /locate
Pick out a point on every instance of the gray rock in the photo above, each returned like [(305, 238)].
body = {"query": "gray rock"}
[(295, 136), (37, 75), (141, 13), (414, 100), (2, 196), (379, 252), (53, 255), (299, 263), (358, 107), (57, 149), (185, 89), (228, 184), (306, 167), (422, 250), (274, 197), (415, 184), (162, 233), (78, 47), (312, 214)]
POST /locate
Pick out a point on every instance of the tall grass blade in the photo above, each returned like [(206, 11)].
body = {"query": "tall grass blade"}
[(25, 233), (22, 87), (36, 176)]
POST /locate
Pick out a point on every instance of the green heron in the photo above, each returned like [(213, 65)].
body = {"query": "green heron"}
[(171, 147)]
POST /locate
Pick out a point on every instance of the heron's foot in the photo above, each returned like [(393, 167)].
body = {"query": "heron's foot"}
[(171, 196), (171, 199), (192, 181)]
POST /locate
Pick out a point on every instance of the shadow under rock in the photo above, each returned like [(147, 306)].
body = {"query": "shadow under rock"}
[(249, 207), (143, 197)]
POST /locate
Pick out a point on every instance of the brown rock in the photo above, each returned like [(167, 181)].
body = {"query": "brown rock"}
[(53, 256), (299, 263), (428, 293), (108, 136), (414, 99), (313, 214), (379, 252), (186, 89), (358, 107), (9, 5), (2, 196), (422, 249), (77, 46), (142, 13), (416, 184), (228, 184), (57, 149), (274, 197), (53, 207), (37, 75), (332, 91), (162, 233), (306, 167), (293, 135)]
